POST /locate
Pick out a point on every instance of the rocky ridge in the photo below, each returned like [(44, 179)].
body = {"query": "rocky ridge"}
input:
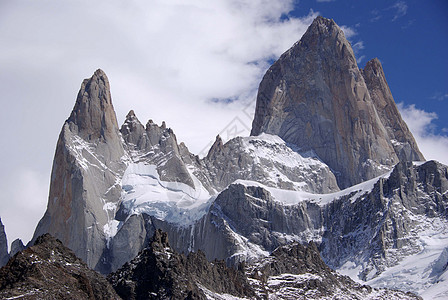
[(49, 270), (293, 271)]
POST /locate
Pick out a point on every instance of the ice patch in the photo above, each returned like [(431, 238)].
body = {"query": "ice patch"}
[(144, 192)]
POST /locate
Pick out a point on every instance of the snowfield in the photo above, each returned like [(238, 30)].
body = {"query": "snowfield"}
[(174, 202)]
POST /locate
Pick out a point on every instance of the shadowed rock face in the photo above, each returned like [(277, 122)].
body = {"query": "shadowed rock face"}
[(158, 272), (4, 256), (314, 96), (16, 246), (49, 270)]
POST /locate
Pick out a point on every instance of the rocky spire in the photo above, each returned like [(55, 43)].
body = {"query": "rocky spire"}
[(16, 246), (94, 113), (86, 168), (314, 96), (402, 139), (4, 256), (216, 148)]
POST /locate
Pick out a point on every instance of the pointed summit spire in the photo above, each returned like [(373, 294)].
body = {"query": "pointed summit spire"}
[(94, 113)]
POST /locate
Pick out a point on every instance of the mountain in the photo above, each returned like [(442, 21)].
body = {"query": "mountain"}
[(314, 96), (49, 270), (330, 161)]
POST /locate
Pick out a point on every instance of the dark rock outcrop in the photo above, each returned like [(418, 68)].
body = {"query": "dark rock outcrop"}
[(49, 270), (314, 96), (158, 272), (4, 256), (292, 271)]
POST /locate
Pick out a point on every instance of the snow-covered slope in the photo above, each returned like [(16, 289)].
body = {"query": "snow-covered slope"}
[(269, 160)]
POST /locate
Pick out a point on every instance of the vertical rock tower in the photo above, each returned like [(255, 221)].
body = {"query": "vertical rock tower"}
[(87, 168), (314, 96), (4, 256)]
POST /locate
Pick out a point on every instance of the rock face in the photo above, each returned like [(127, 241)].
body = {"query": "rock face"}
[(87, 168), (397, 130), (314, 96), (48, 270), (158, 272), (156, 145), (4, 256)]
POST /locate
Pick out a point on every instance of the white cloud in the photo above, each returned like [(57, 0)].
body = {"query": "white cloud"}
[(349, 32), (401, 9), (440, 96), (358, 46), (376, 15), (432, 145), (165, 59), (360, 59)]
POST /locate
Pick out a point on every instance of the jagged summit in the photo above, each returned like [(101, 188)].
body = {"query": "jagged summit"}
[(314, 96)]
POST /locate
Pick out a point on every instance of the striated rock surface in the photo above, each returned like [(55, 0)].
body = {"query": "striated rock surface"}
[(314, 96), (4, 256), (87, 168), (49, 270), (371, 227)]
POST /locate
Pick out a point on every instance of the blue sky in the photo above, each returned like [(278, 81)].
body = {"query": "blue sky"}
[(411, 40), (176, 60)]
